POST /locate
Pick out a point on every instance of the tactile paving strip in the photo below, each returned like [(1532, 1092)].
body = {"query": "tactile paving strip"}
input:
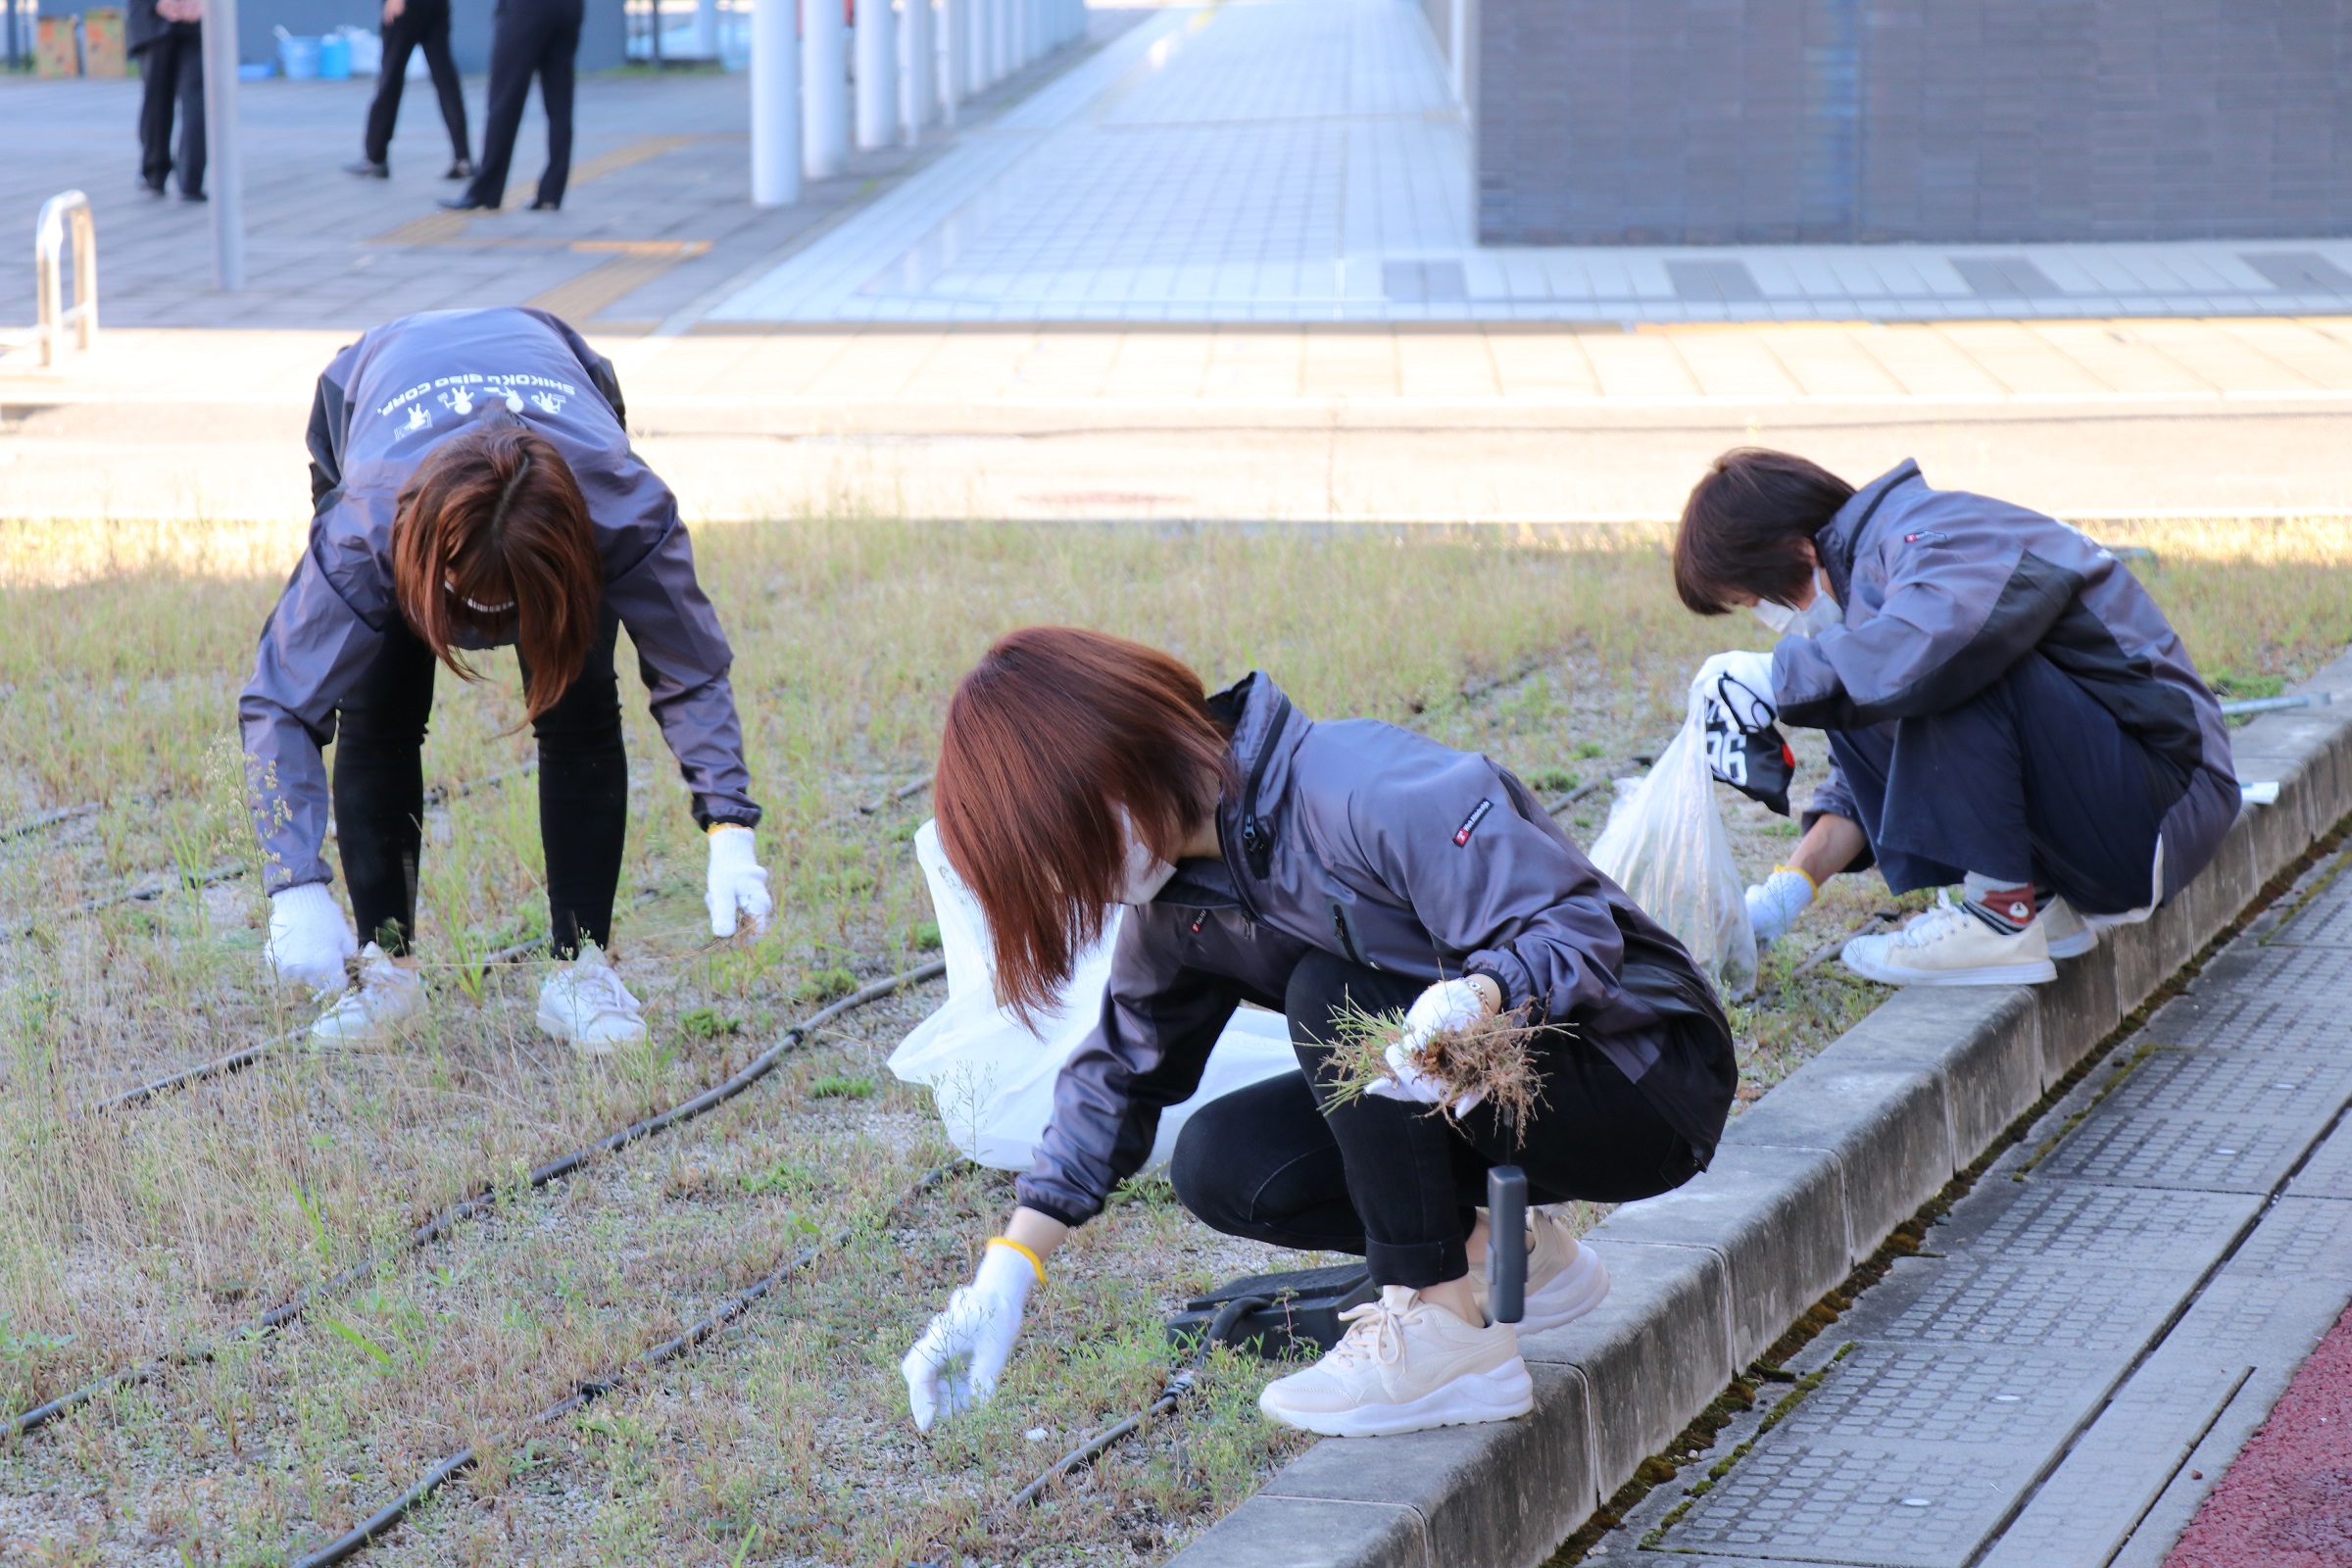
[(2329, 1171), (2107, 1312), (2324, 922), (2291, 1085), (2078, 1223), (1925, 1506), (2300, 1238), (2297, 998), (2024, 1401), (2204, 1153)]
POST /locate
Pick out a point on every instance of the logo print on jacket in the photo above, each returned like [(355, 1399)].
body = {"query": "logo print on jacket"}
[(1478, 815)]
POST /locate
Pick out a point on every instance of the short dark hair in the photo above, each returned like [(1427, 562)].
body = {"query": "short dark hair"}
[(1742, 523)]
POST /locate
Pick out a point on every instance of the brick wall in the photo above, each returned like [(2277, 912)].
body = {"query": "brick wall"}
[(1717, 121)]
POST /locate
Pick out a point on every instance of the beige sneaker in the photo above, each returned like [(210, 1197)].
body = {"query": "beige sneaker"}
[(584, 1005), (2068, 935), (1565, 1278), (1947, 945), (1405, 1364), (379, 1004)]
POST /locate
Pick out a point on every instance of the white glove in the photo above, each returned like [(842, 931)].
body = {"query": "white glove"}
[(737, 883), (1774, 903), (956, 1362), (1740, 682), (308, 939), (1448, 1004)]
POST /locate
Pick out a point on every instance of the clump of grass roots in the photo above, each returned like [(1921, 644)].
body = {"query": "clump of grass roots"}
[(1492, 1059)]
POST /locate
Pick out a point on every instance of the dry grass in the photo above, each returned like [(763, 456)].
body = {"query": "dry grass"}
[(1491, 1060), (120, 652)]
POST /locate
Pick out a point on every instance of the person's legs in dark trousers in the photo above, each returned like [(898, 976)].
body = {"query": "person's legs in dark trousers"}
[(158, 88), (384, 113), (2030, 780), (555, 59), (518, 35), (583, 801), (379, 787), (1272, 1163), (444, 68), (190, 82)]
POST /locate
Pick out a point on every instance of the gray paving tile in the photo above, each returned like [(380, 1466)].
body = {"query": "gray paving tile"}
[(2106, 1312), (1868, 1503)]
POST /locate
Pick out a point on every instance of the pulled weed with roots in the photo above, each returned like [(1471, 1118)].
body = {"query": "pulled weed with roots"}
[(1492, 1059)]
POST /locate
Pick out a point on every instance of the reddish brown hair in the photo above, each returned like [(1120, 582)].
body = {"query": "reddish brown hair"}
[(1746, 523), (492, 535), (1049, 734)]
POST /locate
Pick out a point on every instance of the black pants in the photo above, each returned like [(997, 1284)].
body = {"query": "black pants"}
[(171, 67), (2031, 778), (530, 36), (379, 794), (1387, 1178), (420, 24)]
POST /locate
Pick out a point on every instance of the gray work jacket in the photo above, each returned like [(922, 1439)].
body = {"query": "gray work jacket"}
[(1943, 591), (1389, 849), (384, 403)]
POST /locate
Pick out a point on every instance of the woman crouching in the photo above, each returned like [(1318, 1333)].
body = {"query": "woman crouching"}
[(1320, 869)]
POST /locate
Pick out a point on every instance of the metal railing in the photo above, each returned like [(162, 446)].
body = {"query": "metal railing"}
[(48, 258)]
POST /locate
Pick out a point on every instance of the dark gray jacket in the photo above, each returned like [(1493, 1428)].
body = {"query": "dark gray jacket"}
[(1943, 591), (382, 404), (1381, 846)]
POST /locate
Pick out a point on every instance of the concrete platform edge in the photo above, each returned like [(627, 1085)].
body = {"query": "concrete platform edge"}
[(1810, 1181)]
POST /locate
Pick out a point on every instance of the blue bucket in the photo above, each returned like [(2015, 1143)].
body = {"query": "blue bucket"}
[(334, 58), (300, 57)]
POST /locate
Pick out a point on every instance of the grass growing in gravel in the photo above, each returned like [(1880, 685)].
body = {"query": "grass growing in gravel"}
[(122, 649)]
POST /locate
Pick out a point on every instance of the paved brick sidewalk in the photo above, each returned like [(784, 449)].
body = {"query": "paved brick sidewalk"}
[(2062, 1374)]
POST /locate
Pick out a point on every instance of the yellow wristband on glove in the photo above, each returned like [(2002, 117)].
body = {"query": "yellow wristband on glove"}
[(1800, 871), (1036, 1262)]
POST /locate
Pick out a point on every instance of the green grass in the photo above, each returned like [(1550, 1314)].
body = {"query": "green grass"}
[(121, 651)]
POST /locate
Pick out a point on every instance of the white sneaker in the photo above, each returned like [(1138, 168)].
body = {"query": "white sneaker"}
[(1565, 1278), (383, 998), (2068, 935), (1405, 1364), (1949, 947), (585, 1005)]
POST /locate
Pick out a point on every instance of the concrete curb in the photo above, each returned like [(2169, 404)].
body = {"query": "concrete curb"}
[(1808, 1185)]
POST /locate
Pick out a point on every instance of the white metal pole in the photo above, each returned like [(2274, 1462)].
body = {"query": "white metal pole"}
[(982, 28), (825, 102), (1001, 60), (918, 71), (948, 69), (775, 103), (225, 173), (877, 75)]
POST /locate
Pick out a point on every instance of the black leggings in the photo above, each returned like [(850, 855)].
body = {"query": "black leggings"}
[(1388, 1179), (379, 793)]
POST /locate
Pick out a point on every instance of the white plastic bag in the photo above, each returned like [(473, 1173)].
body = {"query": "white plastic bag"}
[(1665, 844), (993, 1077)]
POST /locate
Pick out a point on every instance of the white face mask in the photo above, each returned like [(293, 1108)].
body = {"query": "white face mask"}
[(1145, 873), (1812, 622)]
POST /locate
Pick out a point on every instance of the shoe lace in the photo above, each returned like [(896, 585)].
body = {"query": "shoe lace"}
[(1933, 925), (600, 990), (1375, 1332)]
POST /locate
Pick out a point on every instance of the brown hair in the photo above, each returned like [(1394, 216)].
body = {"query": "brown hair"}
[(1053, 731), (492, 532), (1744, 523)]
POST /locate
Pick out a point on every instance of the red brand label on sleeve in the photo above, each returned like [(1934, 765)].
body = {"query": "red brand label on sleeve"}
[(1478, 815)]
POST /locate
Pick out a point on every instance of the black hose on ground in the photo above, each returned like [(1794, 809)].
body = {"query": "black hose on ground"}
[(63, 814), (450, 1218), (1180, 1384), (388, 1518)]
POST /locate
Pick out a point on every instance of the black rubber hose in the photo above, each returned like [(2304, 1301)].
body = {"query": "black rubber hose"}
[(449, 1219), (1180, 1384), (34, 824), (388, 1518)]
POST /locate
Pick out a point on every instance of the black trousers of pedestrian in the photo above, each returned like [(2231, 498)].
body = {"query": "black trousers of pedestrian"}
[(379, 794), (529, 36), (420, 24), (2032, 778), (171, 69), (1398, 1182)]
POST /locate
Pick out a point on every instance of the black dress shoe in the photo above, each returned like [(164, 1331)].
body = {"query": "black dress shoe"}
[(191, 196), (468, 202), (153, 187), (459, 168), (367, 170), (547, 207)]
